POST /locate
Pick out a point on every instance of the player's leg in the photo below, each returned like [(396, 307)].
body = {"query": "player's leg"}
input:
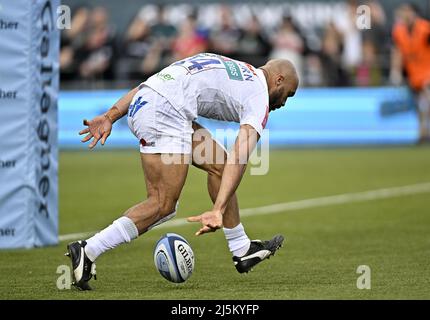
[(165, 138), (423, 99), (164, 184), (165, 146), (426, 110), (210, 156), (422, 121)]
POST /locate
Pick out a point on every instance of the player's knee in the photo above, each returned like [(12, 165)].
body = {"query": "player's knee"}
[(216, 169), (167, 206), (164, 214)]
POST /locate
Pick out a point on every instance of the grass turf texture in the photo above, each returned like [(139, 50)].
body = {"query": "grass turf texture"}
[(324, 245)]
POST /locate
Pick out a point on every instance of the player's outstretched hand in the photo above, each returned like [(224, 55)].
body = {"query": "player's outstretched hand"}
[(211, 221), (98, 128)]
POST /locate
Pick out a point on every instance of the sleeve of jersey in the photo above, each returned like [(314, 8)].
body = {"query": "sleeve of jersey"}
[(255, 113)]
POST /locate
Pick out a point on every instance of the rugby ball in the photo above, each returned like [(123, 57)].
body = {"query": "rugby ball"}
[(174, 258)]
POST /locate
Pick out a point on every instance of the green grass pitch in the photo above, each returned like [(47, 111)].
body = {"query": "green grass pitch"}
[(324, 245)]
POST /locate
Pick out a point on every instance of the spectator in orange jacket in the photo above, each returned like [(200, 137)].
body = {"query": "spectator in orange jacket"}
[(411, 35)]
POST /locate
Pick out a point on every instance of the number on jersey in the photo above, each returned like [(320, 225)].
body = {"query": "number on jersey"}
[(200, 62)]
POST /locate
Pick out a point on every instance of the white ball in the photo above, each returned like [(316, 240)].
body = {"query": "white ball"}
[(174, 258)]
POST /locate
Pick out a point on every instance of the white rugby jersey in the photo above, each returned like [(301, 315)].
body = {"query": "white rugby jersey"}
[(215, 87)]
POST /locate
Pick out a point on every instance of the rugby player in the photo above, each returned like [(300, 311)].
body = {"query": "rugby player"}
[(162, 113)]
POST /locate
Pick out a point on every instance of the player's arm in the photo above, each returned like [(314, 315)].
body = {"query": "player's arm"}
[(232, 175), (236, 165), (101, 126), (120, 108)]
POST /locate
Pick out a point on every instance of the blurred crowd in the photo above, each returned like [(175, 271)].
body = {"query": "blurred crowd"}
[(335, 53)]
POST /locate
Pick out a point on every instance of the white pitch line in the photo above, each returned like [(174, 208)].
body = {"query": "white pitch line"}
[(300, 204)]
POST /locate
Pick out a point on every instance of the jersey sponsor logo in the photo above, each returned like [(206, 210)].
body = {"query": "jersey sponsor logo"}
[(136, 106), (266, 117), (165, 76), (251, 68), (247, 74), (232, 69)]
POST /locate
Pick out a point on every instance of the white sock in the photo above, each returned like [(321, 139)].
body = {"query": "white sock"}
[(238, 241), (120, 231)]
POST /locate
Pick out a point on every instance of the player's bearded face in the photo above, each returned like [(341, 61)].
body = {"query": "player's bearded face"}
[(275, 99)]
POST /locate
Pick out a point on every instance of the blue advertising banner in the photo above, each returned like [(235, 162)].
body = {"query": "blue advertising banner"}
[(329, 116), (29, 50)]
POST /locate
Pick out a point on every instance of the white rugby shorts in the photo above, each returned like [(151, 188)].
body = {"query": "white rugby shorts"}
[(159, 127)]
